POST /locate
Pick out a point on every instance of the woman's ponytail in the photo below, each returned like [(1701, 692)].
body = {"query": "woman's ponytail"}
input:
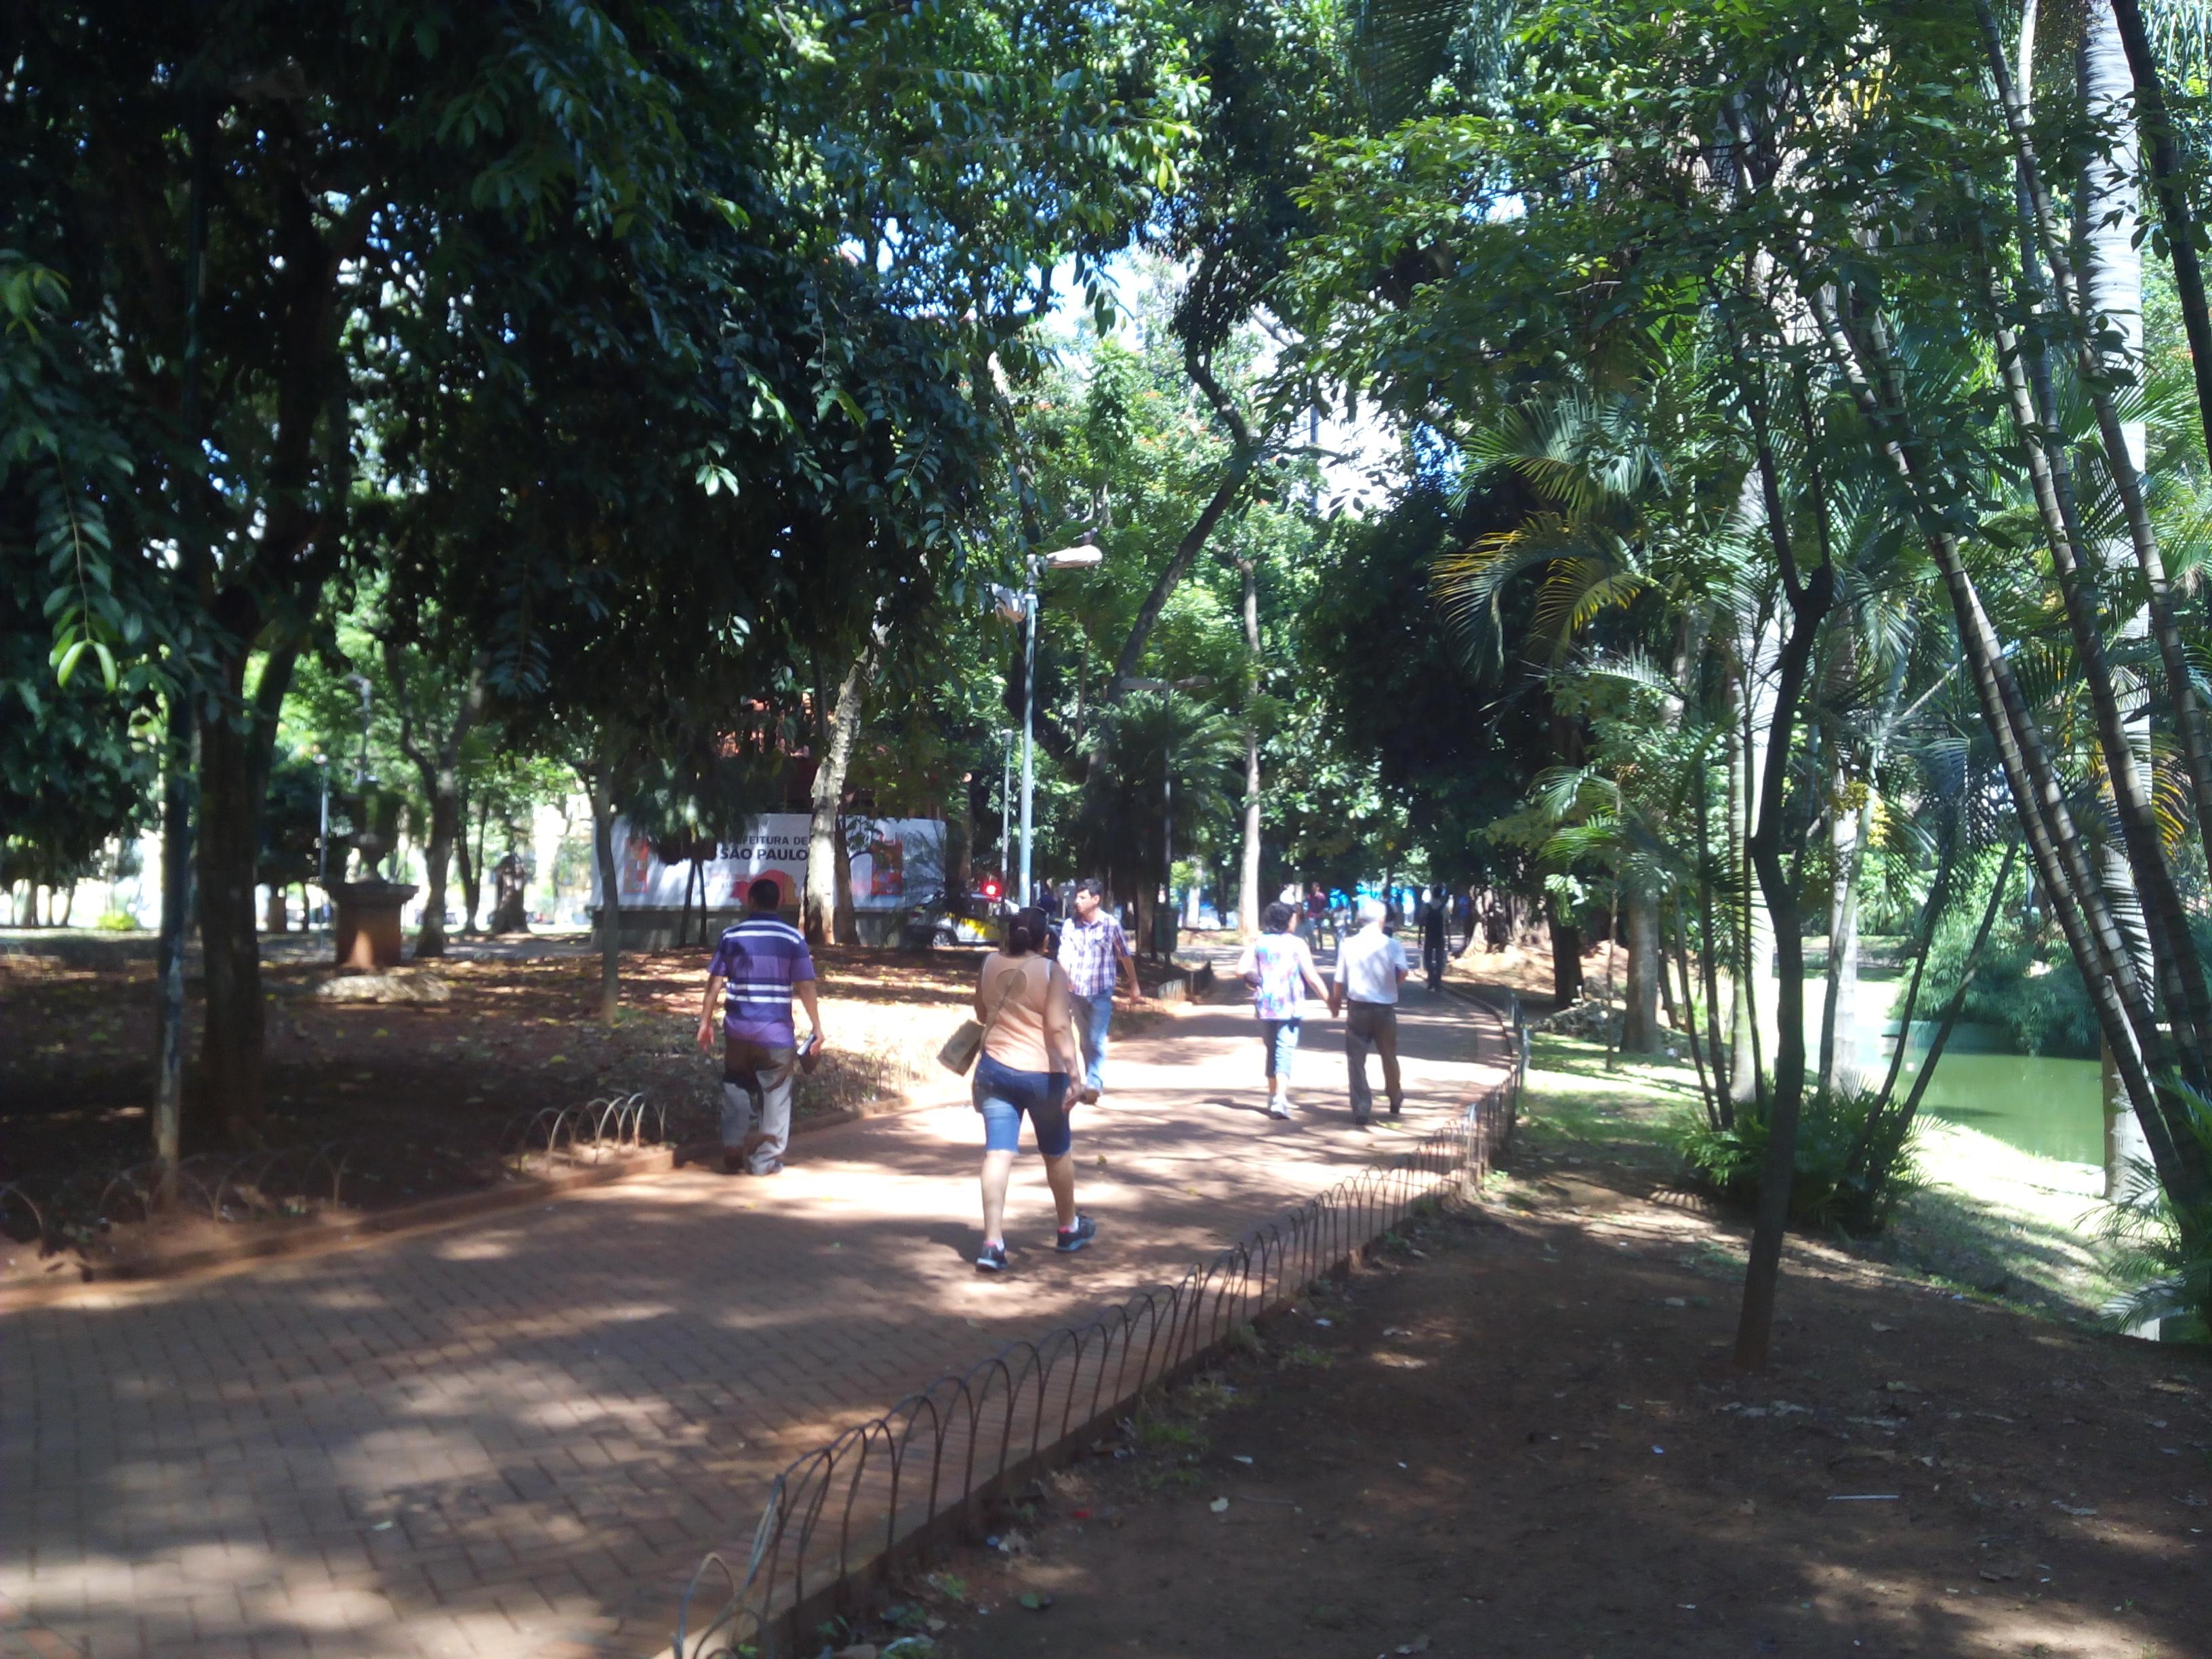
[(1027, 932)]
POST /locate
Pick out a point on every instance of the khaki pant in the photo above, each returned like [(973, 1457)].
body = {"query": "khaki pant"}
[(757, 1082), (1372, 1025)]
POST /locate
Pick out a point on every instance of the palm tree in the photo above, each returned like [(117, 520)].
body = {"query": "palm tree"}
[(1617, 528), (1138, 748)]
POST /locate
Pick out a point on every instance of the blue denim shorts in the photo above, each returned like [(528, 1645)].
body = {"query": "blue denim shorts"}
[(1003, 1094)]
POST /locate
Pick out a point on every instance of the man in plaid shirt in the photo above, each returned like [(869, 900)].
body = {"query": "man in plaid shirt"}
[(1093, 952)]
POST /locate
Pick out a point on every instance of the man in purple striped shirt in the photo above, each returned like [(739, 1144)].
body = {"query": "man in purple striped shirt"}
[(762, 962)]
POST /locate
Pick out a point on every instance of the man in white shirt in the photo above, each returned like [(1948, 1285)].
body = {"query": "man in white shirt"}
[(1371, 966)]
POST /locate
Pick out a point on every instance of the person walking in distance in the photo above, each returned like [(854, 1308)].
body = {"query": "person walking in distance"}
[(762, 961), (1371, 966), (1028, 1057), (1436, 935), (1316, 916), (1094, 953), (1279, 966)]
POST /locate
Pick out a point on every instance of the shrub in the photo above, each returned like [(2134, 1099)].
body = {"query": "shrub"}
[(117, 922), (2025, 985), (2164, 1256), (1841, 1182)]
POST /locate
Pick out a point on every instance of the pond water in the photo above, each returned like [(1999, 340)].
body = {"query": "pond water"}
[(2050, 1107)]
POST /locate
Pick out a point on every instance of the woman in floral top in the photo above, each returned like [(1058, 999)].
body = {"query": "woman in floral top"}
[(1279, 968)]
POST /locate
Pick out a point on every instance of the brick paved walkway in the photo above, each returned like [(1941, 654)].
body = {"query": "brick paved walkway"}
[(515, 1437)]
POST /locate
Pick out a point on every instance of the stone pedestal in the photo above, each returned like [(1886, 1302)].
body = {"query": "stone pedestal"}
[(369, 923)]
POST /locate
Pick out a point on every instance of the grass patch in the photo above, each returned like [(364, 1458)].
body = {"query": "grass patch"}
[(1984, 1218), (1573, 1097), (1169, 1431)]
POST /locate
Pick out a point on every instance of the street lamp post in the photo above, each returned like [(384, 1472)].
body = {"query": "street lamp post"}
[(1023, 607), (1167, 689)]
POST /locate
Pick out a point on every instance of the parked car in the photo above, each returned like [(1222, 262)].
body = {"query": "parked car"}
[(945, 919)]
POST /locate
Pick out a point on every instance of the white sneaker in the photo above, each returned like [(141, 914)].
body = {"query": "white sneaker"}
[(1280, 1108)]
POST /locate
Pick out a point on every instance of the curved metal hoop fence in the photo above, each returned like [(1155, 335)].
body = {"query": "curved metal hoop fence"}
[(296, 1180), (845, 1515)]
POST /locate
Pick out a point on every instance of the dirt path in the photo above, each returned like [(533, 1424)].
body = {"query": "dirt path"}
[(517, 1437), (1517, 1437)]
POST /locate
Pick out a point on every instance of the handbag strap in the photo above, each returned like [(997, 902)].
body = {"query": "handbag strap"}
[(1021, 972)]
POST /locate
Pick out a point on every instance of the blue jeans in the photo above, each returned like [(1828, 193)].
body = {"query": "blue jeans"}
[(1093, 1015), (1281, 1039), (1003, 1094)]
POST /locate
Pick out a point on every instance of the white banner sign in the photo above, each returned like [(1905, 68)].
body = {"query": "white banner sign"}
[(896, 863)]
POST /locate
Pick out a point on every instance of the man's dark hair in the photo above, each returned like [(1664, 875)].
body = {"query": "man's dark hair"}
[(1277, 917), (764, 894), (1092, 885)]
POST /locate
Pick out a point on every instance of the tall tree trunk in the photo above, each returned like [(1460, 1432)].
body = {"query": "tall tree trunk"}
[(2109, 224), (1639, 1013), (1709, 953), (1247, 872), (1809, 599), (848, 928), (468, 865), (2106, 297), (228, 1097), (1235, 471), (1566, 955), (2169, 179), (234, 769), (439, 767), (598, 784), (1751, 933), (837, 733), (181, 768), (180, 743), (2064, 869), (437, 861), (1839, 1020), (2105, 294)]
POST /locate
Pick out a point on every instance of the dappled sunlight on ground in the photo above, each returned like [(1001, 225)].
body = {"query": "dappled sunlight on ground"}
[(531, 1426), (1523, 1442), (419, 1101)]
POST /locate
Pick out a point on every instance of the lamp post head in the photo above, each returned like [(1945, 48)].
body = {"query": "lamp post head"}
[(1070, 558)]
